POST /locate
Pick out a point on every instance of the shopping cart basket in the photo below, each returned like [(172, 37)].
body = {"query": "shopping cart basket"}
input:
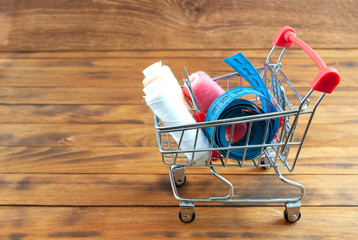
[(282, 151)]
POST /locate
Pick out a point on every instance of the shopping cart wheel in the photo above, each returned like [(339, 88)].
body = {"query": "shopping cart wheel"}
[(180, 182), (264, 165), (292, 212), (179, 176), (186, 212), (292, 218), (187, 217)]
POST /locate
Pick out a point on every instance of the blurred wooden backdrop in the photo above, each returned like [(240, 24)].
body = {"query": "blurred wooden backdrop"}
[(109, 25), (78, 155)]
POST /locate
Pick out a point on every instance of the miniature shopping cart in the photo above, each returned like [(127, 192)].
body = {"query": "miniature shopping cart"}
[(283, 151)]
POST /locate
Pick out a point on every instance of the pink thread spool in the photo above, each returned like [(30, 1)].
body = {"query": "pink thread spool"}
[(239, 131), (206, 90)]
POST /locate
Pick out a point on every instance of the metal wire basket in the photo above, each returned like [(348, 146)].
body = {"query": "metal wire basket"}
[(294, 111)]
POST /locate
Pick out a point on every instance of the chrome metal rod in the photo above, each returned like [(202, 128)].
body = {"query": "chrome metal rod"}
[(290, 182), (232, 147), (230, 141), (229, 121), (243, 200), (306, 130), (281, 55), (270, 53), (296, 119), (226, 182), (188, 85)]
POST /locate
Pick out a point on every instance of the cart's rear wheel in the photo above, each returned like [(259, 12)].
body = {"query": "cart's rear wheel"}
[(292, 218), (180, 181), (187, 218), (179, 175), (264, 165)]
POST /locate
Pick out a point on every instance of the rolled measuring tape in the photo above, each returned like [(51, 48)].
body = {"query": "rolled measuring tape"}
[(245, 68), (231, 105)]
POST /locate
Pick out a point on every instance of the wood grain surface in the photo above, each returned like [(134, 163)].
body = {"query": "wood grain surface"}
[(143, 160), (70, 142), (78, 152), (154, 189), (39, 25), (161, 223)]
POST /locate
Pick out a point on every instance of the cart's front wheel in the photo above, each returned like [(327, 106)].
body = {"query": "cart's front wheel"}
[(292, 218), (187, 217)]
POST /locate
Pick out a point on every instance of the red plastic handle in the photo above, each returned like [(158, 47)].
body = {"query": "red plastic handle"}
[(328, 78)]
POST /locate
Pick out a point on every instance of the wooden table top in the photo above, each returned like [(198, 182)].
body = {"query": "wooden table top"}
[(79, 157), (78, 152)]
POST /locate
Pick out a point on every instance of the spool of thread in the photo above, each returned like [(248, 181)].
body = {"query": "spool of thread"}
[(162, 73), (206, 90), (239, 131), (164, 103)]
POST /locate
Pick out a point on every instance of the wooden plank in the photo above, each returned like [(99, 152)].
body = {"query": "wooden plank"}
[(293, 52), (70, 95), (128, 114), (100, 71), (96, 114), (118, 95), (142, 135), (111, 160), (147, 160), (120, 135), (163, 223), (155, 190), (127, 25)]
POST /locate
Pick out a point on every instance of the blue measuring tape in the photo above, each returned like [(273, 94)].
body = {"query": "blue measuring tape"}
[(231, 105), (244, 67)]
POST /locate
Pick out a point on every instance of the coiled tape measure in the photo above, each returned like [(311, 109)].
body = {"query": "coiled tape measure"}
[(231, 105)]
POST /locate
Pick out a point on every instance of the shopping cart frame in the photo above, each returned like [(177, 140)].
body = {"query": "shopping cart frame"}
[(273, 155)]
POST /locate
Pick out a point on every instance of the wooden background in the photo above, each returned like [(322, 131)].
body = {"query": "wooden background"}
[(78, 154)]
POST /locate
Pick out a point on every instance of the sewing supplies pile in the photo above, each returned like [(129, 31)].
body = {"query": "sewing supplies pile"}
[(174, 105), (254, 117)]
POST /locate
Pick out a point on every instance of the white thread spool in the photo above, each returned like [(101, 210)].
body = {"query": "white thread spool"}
[(172, 111)]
